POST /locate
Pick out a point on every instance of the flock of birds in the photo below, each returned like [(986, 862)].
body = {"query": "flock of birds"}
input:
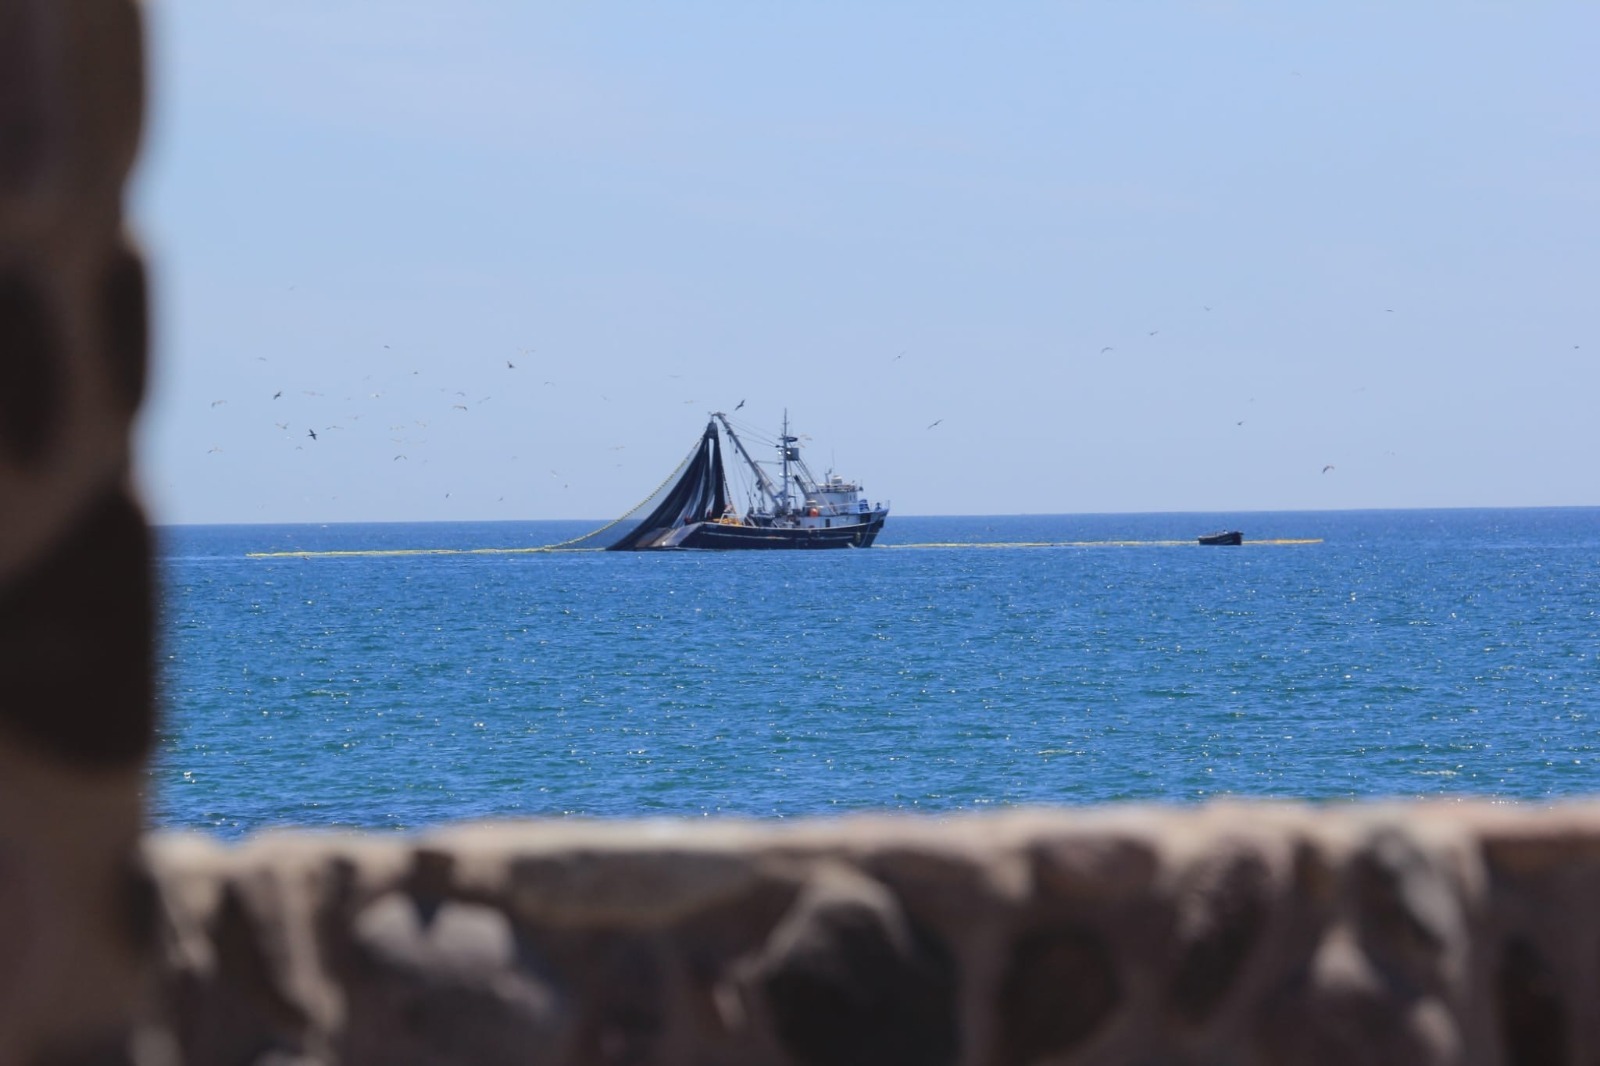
[(1109, 348), (312, 436), (311, 432), (403, 401)]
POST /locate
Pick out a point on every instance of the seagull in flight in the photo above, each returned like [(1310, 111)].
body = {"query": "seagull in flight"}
[(1106, 349), (935, 422), (277, 394), (510, 365), (311, 433), (1327, 468), (738, 405)]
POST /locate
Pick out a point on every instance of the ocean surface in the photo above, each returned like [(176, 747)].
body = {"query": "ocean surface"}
[(964, 663)]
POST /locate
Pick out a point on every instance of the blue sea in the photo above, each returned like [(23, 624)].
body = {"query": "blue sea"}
[(964, 663)]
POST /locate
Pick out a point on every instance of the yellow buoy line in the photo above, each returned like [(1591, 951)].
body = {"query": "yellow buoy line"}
[(555, 548), (1276, 541), (349, 553)]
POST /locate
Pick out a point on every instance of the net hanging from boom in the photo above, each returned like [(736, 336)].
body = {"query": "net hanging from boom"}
[(697, 491)]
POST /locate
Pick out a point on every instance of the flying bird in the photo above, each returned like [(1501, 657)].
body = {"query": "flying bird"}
[(281, 425), (1106, 349), (1152, 333), (218, 403), (741, 402), (510, 365), (1327, 468), (277, 394), (311, 433), (935, 422)]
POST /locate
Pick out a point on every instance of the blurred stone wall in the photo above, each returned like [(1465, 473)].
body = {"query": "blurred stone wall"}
[(1227, 934), (75, 603), (1222, 935)]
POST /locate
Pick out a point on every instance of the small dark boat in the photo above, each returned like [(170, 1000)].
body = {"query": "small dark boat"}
[(1227, 536)]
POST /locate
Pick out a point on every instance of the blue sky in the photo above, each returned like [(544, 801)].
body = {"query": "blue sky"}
[(1134, 257)]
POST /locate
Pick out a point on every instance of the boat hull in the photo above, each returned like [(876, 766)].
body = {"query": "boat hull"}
[(1230, 537), (717, 536)]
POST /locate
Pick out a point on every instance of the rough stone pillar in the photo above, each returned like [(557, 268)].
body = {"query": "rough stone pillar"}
[(75, 588)]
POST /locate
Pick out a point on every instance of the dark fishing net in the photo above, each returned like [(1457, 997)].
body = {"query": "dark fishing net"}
[(696, 492)]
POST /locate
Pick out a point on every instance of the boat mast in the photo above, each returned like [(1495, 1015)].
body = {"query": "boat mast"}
[(785, 442), (767, 487)]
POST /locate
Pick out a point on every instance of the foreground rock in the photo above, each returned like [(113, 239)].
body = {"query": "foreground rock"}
[(1227, 934)]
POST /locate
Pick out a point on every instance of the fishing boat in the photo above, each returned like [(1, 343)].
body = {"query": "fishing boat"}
[(1226, 536), (788, 506)]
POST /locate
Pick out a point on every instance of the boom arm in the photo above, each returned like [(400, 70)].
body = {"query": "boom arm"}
[(761, 475)]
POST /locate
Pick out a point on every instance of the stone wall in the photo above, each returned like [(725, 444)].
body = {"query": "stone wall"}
[(1228, 934), (75, 603)]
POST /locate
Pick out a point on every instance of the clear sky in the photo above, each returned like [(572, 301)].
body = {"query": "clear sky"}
[(1144, 256)]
